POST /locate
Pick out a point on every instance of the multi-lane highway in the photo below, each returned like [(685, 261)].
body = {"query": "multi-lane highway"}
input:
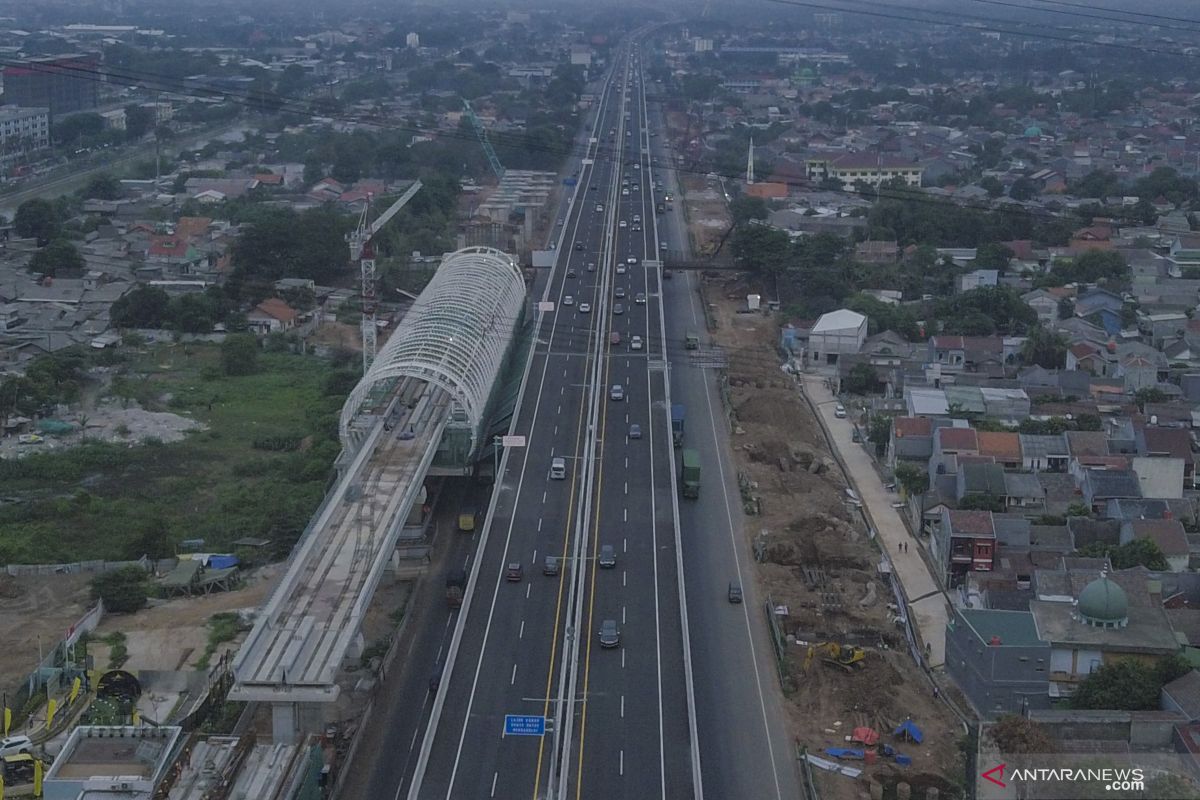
[(620, 721)]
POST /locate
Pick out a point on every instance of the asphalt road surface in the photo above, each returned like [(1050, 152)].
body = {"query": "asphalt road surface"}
[(617, 716)]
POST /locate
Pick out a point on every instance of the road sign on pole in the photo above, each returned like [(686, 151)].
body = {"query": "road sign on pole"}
[(518, 725), (513, 441)]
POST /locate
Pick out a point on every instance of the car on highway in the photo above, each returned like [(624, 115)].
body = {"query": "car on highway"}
[(617, 392), (568, 300), (618, 308), (614, 338), (662, 246), (550, 566), (735, 592), (622, 224), (631, 261), (640, 298), (594, 188), (624, 193), (635, 343), (839, 411), (599, 206), (637, 166), (558, 469), (608, 556), (514, 573), (579, 246), (591, 267), (610, 635), (585, 308), (619, 292), (635, 431), (636, 227), (621, 269), (637, 217), (570, 273)]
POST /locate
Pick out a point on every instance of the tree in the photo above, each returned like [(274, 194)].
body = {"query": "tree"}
[(58, 256), (744, 208), (992, 185), (1046, 348), (982, 502), (993, 256), (1134, 553), (762, 248), (912, 479), (1128, 685), (1016, 734), (1022, 189), (861, 379), (144, 307), (239, 354), (139, 120), (37, 219), (103, 186), (880, 432), (1150, 394), (124, 590)]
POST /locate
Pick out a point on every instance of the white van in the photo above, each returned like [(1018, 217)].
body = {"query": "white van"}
[(558, 469)]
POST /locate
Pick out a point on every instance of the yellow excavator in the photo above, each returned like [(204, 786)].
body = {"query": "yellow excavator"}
[(848, 657)]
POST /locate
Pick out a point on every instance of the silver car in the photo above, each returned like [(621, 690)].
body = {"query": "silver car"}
[(610, 635)]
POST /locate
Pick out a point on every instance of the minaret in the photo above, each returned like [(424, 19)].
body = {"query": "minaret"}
[(750, 164)]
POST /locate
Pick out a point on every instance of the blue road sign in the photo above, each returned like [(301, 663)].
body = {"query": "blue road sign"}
[(517, 725)]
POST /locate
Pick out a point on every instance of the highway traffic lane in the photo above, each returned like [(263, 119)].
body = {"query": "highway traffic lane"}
[(744, 744), (445, 763)]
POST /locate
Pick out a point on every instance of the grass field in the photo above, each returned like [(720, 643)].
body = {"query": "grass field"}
[(260, 469)]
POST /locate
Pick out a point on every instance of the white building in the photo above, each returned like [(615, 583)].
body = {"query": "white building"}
[(836, 333), (581, 55), (701, 45), (412, 40), (25, 128)]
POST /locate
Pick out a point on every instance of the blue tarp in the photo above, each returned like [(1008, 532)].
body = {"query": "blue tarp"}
[(909, 729), (225, 562), (845, 752)]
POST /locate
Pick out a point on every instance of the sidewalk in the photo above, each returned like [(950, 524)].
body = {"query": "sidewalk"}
[(927, 604)]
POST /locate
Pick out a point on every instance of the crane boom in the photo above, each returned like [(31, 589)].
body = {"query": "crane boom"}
[(362, 251), (488, 150)]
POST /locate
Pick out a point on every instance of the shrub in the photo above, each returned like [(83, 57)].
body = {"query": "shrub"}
[(122, 590)]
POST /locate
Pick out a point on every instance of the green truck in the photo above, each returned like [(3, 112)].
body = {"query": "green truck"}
[(689, 476), (691, 341)]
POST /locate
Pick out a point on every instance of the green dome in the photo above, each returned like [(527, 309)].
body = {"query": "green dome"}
[(1033, 130), (1103, 602)]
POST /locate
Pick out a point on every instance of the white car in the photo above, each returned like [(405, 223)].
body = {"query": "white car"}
[(585, 308), (631, 261), (568, 300), (617, 392), (640, 298), (839, 411), (622, 223), (621, 269), (625, 192), (15, 745), (635, 343)]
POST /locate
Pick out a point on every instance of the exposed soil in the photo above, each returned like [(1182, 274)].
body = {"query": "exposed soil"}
[(33, 608), (173, 634), (819, 568)]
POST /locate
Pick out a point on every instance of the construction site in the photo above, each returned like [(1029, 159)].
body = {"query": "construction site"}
[(860, 705)]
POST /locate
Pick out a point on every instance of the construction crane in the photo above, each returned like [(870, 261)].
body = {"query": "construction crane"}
[(362, 250), (488, 150)]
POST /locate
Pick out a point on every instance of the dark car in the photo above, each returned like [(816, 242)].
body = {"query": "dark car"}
[(550, 566), (610, 635), (735, 592), (579, 245), (608, 557), (514, 572)]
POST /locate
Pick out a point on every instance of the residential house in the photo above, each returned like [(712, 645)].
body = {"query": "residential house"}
[(977, 279), (1098, 486), (998, 661), (1170, 443), (272, 316), (1023, 492), (874, 252), (948, 444), (965, 353), (1044, 452), (1044, 303), (911, 440), (965, 541), (836, 333), (980, 481), (1004, 447), (1137, 372), (1159, 477), (1100, 307)]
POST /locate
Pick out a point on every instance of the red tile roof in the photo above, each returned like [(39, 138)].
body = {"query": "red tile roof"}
[(978, 523), (958, 439), (277, 309), (1004, 446), (187, 227), (168, 246), (912, 426), (1168, 534), (1175, 442)]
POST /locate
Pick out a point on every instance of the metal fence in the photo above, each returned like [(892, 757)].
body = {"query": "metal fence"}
[(90, 567)]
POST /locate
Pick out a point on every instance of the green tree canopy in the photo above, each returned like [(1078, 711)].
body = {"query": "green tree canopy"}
[(280, 243), (1045, 348), (1128, 685), (144, 307), (57, 257), (37, 219), (239, 354), (911, 478), (103, 186), (861, 379), (124, 590)]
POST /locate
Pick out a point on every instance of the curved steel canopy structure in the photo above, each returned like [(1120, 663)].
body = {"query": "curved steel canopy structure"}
[(455, 336)]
